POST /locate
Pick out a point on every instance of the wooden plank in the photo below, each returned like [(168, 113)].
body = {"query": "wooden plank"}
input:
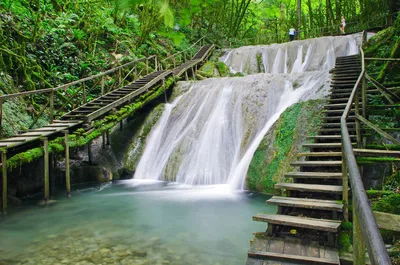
[(310, 187), (317, 163), (303, 222), (320, 154), (324, 175), (306, 203), (287, 257), (375, 152), (276, 245), (387, 221)]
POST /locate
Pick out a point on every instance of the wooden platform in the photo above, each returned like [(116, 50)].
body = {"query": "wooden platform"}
[(289, 251)]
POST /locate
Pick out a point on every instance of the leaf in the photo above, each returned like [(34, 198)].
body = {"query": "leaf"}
[(166, 12)]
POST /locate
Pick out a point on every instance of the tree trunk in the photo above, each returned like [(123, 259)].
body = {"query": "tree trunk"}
[(311, 17), (298, 18)]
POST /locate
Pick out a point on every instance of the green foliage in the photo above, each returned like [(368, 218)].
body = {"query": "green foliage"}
[(388, 204)]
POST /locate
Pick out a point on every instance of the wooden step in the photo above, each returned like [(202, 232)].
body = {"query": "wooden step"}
[(314, 175), (330, 137), (337, 124), (310, 187), (337, 117), (290, 259), (320, 154), (306, 203), (316, 164), (324, 145), (302, 222)]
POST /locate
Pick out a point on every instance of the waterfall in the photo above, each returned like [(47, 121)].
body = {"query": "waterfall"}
[(209, 134)]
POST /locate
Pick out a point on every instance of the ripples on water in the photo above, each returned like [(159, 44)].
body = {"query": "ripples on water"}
[(135, 222)]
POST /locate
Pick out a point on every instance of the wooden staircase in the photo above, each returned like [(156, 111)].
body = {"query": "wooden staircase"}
[(312, 210)]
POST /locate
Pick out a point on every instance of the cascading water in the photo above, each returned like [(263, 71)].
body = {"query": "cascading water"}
[(210, 133)]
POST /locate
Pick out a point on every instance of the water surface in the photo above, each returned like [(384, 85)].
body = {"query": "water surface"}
[(135, 222)]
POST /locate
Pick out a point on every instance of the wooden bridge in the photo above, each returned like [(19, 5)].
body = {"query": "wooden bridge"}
[(309, 218), (83, 116)]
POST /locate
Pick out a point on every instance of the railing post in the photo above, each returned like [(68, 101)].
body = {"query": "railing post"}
[(84, 93), (67, 170), (120, 77), (46, 168), (358, 240), (155, 63), (147, 66), (1, 119), (51, 106), (364, 106), (174, 61), (357, 111), (4, 173), (345, 184), (102, 85)]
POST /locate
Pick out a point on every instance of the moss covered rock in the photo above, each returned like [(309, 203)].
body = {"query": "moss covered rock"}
[(281, 144)]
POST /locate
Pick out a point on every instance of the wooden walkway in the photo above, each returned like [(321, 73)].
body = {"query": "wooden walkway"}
[(99, 107), (312, 210)]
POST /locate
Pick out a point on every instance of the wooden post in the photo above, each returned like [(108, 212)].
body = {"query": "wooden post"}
[(147, 66), (194, 73), (186, 76), (364, 107), (1, 118), (345, 184), (4, 171), (174, 61), (67, 171), (155, 63), (357, 111), (184, 56), (102, 85), (165, 91), (89, 148), (84, 93), (51, 106), (45, 141), (120, 77), (358, 240), (136, 77)]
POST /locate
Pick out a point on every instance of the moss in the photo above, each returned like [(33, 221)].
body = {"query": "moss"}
[(372, 160), (223, 69), (372, 194), (344, 239), (388, 204), (80, 137), (207, 69)]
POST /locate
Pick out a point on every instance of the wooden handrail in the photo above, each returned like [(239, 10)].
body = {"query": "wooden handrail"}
[(48, 90), (180, 52), (363, 218)]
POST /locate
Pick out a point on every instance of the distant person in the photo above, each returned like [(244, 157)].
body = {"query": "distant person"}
[(343, 25), (292, 32)]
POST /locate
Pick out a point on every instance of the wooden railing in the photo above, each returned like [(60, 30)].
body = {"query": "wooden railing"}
[(182, 56), (365, 230)]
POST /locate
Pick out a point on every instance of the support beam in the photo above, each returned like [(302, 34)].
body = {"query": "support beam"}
[(45, 142), (67, 169), (4, 173), (378, 130)]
